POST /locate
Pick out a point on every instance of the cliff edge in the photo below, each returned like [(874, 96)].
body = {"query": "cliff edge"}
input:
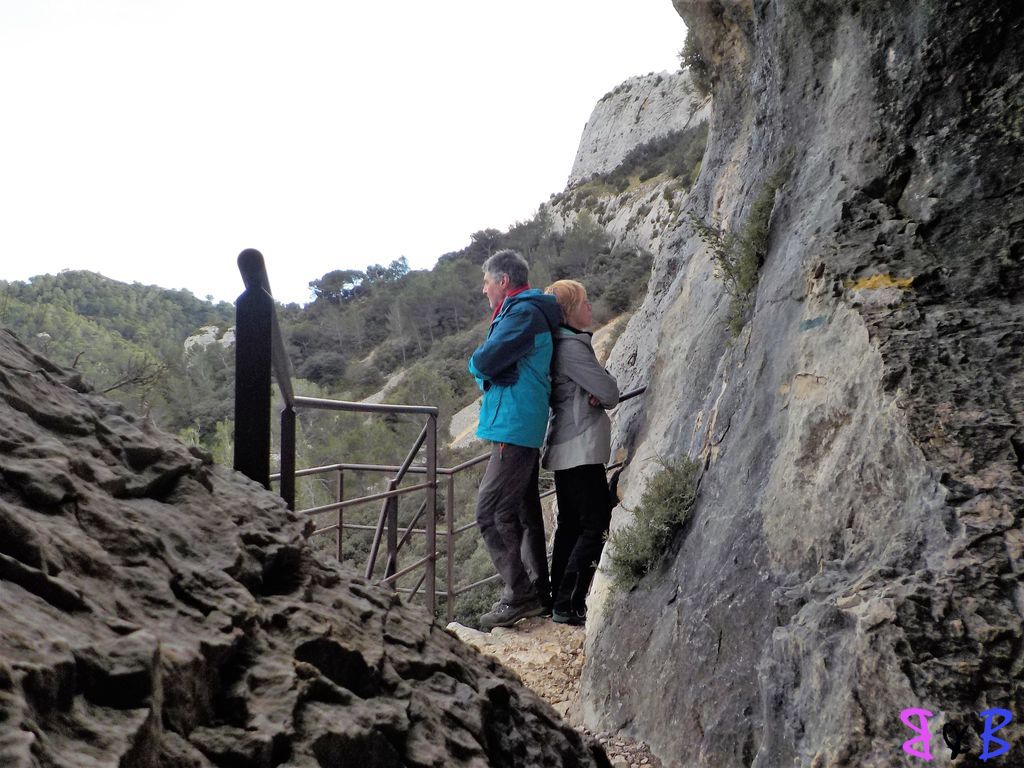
[(638, 110), (856, 546)]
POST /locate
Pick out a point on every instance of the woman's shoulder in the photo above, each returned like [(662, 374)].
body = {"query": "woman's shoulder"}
[(573, 342), (567, 333)]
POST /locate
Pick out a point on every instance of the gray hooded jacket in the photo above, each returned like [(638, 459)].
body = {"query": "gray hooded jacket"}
[(578, 433)]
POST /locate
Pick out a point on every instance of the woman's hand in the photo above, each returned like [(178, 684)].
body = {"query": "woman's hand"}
[(593, 401)]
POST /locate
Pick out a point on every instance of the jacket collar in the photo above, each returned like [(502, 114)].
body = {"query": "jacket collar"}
[(577, 331), (509, 295)]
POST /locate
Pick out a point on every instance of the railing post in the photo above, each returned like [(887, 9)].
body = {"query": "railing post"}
[(253, 323), (431, 513), (288, 456), (450, 566), (339, 496), (391, 563)]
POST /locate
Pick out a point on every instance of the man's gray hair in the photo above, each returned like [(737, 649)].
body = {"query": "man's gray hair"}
[(511, 263)]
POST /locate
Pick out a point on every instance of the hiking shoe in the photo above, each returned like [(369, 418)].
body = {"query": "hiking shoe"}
[(505, 615), (545, 614), (572, 618)]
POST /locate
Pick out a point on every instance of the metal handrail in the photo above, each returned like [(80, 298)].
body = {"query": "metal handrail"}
[(631, 394), (388, 510), (326, 404), (452, 591), (389, 494), (418, 469), (260, 357)]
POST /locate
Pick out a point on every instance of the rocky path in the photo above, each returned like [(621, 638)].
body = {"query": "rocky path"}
[(548, 658)]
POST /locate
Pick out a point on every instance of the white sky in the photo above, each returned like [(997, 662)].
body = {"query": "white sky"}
[(153, 140)]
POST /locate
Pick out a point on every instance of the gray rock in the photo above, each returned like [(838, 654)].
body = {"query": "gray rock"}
[(157, 610), (856, 545), (638, 110)]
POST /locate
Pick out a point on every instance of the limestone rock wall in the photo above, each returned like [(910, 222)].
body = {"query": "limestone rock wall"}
[(856, 546), (159, 611), (635, 111)]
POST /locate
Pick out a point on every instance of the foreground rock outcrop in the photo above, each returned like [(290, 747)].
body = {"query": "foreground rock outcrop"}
[(157, 610), (856, 547)]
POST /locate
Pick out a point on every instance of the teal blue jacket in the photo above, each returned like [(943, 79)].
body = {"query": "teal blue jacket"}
[(513, 368)]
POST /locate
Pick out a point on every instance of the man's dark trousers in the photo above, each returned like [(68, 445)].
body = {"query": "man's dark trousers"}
[(511, 523)]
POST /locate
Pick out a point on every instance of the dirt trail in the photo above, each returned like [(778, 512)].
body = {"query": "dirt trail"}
[(548, 658)]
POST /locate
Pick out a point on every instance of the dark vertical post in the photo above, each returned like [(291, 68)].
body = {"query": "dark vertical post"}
[(431, 513), (450, 520), (253, 321), (391, 566), (339, 496), (288, 456)]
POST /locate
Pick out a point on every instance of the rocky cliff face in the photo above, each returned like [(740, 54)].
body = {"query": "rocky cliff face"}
[(156, 610), (638, 110), (856, 547)]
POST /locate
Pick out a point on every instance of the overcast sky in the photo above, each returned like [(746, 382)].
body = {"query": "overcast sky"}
[(152, 140)]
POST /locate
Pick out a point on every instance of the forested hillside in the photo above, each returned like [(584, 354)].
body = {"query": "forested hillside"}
[(361, 329), (362, 325), (126, 340)]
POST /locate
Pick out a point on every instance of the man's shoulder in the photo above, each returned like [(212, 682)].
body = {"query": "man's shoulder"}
[(534, 303)]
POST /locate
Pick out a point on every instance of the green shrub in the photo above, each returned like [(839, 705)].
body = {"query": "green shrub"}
[(324, 367), (738, 256), (673, 154), (664, 506), (690, 58)]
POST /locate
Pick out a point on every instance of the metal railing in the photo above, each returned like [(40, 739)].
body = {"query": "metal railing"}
[(260, 355), (399, 536), (451, 591), (260, 352)]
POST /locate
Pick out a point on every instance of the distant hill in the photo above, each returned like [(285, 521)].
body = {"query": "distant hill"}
[(126, 339), (145, 314)]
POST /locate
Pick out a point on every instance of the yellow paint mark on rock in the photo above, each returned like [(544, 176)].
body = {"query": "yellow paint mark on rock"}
[(882, 280)]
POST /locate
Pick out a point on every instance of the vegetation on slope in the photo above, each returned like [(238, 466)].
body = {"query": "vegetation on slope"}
[(690, 58), (739, 255), (676, 155), (127, 342), (638, 547)]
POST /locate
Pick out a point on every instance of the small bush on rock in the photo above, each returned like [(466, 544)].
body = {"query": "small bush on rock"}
[(738, 256), (664, 506), (690, 58)]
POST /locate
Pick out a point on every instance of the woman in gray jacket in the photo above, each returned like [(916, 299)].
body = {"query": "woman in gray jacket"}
[(576, 448)]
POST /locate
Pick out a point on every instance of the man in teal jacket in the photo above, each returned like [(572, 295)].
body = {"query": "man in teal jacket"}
[(513, 368)]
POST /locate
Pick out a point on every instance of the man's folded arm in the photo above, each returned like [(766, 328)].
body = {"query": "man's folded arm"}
[(511, 339)]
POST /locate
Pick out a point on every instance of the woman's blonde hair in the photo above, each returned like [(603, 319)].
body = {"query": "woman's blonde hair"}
[(569, 294)]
